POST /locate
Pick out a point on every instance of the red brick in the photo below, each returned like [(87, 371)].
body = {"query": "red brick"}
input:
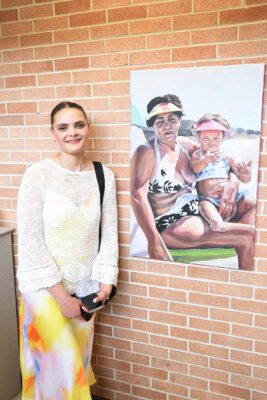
[(188, 381), (73, 91), (86, 19), (261, 294), (238, 343), (214, 35), (155, 25), (18, 55), (248, 382), (127, 13), (51, 52), (16, 28), (170, 365), (71, 63), (158, 329), (9, 43), (208, 274), (192, 53), (251, 358), (131, 334), (167, 294), (125, 44), (21, 108), (9, 95), (209, 350), (147, 349), (20, 81), (168, 343), (258, 396), (110, 89), (189, 334), (248, 332), (189, 284), (249, 278), (212, 5), (114, 364), (204, 324), (168, 40), (249, 306), (98, 4), (230, 390), (112, 118), (169, 8), (14, 3), (150, 57), (36, 39), (230, 367), (260, 373), (249, 14), (50, 24), (243, 49), (120, 103), (39, 93), (90, 76), (231, 289), (111, 30), (231, 316), (8, 15), (195, 21), (201, 395), (150, 372), (208, 373), (250, 32), (132, 378), (131, 357), (169, 387), (149, 303), (54, 79), (36, 12), (10, 120), (67, 7), (209, 300), (71, 35), (113, 385), (22, 132), (109, 60), (148, 394), (9, 69)]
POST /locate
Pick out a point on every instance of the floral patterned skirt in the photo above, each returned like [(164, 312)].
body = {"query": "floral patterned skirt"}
[(55, 351)]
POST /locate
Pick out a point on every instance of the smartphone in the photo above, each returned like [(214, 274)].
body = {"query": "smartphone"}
[(90, 305)]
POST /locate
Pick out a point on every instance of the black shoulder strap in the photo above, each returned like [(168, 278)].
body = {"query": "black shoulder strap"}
[(101, 184)]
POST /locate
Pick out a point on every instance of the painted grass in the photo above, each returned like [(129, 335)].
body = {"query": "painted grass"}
[(191, 255)]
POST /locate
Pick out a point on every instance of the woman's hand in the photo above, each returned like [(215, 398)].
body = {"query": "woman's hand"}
[(71, 308), (158, 250), (104, 293), (228, 190)]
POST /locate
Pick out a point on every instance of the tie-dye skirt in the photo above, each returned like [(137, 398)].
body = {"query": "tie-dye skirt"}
[(55, 351)]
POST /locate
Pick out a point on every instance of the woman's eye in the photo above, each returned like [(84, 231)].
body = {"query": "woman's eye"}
[(62, 128), (81, 125)]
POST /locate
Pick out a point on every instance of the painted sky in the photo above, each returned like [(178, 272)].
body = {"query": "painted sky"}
[(233, 91)]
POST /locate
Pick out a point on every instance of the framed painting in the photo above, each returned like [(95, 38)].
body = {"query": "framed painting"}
[(195, 136)]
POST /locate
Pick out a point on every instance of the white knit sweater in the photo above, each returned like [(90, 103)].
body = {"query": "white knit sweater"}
[(58, 222)]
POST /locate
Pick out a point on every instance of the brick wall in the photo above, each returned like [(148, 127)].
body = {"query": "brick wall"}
[(174, 331)]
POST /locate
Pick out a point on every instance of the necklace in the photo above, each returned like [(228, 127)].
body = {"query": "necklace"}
[(81, 168)]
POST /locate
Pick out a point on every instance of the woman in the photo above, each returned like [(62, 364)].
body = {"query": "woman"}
[(58, 222), (163, 199)]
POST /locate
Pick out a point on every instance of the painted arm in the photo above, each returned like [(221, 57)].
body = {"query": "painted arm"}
[(142, 166), (241, 169), (200, 161)]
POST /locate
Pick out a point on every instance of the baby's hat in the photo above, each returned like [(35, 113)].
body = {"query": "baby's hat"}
[(210, 125)]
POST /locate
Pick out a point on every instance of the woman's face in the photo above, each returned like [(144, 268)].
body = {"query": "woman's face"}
[(166, 126), (70, 130)]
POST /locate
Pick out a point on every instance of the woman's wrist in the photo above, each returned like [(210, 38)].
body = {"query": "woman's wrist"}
[(64, 301)]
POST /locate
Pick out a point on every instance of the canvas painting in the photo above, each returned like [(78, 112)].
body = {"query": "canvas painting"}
[(195, 137)]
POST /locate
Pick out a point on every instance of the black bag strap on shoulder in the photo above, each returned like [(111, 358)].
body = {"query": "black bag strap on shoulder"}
[(101, 184)]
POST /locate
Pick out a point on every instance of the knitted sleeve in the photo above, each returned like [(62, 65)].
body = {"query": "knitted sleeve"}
[(105, 268), (36, 268)]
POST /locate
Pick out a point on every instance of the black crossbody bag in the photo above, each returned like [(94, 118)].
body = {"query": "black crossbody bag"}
[(88, 300)]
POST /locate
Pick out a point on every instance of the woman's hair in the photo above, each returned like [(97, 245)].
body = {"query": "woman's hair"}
[(65, 104), (213, 117), (167, 98)]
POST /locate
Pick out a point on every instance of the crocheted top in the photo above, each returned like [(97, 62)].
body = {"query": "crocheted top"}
[(58, 222)]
